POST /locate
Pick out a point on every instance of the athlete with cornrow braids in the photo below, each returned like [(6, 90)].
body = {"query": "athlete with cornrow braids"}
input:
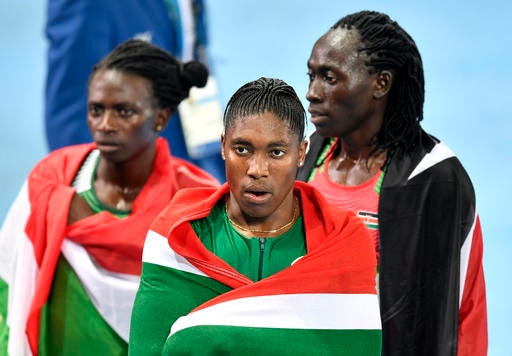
[(260, 265), (370, 154)]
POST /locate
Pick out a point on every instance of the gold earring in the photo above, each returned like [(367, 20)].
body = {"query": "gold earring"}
[(158, 127), (301, 163)]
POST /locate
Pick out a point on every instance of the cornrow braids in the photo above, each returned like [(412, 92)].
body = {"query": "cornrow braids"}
[(389, 47), (267, 95), (170, 79)]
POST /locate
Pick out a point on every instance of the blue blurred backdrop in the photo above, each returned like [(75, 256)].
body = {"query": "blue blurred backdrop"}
[(467, 56)]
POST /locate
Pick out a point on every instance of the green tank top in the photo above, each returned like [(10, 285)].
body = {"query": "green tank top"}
[(84, 186)]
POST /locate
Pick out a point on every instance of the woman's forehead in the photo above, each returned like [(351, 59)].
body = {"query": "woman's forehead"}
[(266, 124)]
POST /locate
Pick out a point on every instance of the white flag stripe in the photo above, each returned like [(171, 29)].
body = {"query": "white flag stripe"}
[(465, 252), (111, 293), (439, 153), (157, 251), (18, 268), (291, 311)]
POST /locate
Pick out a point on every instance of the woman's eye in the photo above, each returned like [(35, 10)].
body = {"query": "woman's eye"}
[(329, 78), (241, 150), (277, 153), (125, 112), (95, 110)]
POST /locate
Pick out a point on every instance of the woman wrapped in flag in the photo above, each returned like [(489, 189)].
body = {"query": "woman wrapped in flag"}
[(262, 265), (71, 244), (370, 154)]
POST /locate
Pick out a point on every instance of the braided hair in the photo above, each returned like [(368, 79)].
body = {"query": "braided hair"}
[(389, 47), (170, 79), (267, 95)]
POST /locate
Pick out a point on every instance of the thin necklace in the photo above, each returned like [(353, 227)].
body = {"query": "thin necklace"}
[(294, 217)]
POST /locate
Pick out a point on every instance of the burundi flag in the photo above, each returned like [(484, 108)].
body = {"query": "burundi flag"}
[(91, 266), (101, 300)]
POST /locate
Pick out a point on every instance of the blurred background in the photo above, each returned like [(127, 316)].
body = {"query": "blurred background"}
[(467, 56)]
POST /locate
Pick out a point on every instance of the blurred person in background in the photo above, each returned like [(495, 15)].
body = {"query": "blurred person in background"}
[(81, 32)]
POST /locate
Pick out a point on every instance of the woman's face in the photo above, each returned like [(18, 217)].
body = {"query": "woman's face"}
[(341, 89), (122, 114), (262, 156)]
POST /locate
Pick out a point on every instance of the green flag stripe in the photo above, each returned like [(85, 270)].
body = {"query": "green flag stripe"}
[(71, 325), (166, 304), (269, 341)]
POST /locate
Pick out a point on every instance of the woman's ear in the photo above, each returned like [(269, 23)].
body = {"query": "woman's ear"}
[(222, 138), (302, 153), (383, 82), (162, 119)]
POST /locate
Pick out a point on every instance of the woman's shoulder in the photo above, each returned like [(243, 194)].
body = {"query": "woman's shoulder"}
[(64, 158)]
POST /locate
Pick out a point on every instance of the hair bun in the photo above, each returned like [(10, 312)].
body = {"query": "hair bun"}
[(194, 74)]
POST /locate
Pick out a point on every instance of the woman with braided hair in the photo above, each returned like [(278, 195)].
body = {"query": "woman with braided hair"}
[(71, 244), (369, 154), (262, 265)]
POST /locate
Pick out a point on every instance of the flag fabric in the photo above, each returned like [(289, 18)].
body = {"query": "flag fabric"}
[(431, 278), (324, 303), (103, 251)]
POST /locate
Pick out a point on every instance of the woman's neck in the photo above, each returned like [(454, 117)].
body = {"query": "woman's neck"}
[(119, 184), (353, 165), (267, 227)]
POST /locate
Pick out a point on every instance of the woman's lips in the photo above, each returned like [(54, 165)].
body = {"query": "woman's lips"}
[(257, 197), (317, 117), (107, 146)]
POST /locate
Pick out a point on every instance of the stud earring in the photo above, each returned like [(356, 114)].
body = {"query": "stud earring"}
[(158, 128)]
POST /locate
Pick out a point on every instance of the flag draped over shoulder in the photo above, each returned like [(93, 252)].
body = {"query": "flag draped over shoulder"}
[(324, 303), (97, 247), (431, 278)]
